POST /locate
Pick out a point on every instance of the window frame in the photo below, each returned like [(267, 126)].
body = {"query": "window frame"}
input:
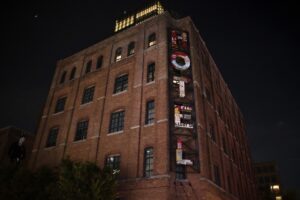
[(150, 112), (60, 104), (52, 137), (148, 162), (121, 83), (152, 39), (118, 54), (114, 164), (81, 130), (63, 77), (151, 72), (88, 95), (88, 66), (99, 62), (117, 121), (73, 73), (131, 48)]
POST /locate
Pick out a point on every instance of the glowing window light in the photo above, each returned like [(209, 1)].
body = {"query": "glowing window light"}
[(274, 187), (278, 198)]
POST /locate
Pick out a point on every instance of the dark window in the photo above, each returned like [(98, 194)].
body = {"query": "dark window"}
[(152, 40), (88, 95), (180, 172), (63, 77), (118, 55), (131, 48), (60, 104), (116, 121), (212, 132), (88, 66), (51, 140), (99, 62), (150, 72), (81, 131), (113, 162), (72, 75), (148, 162), (217, 179), (224, 145), (150, 112), (121, 83)]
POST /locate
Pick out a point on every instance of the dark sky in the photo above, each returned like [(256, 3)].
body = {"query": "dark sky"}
[(254, 43)]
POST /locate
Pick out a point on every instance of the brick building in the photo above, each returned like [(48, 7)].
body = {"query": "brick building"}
[(149, 101)]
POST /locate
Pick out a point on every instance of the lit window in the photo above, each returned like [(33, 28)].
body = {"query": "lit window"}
[(121, 83), (278, 198), (60, 105), (52, 136), (88, 66), (88, 95), (99, 62), (72, 75), (148, 162), (118, 55), (150, 112), (117, 121), (81, 130), (131, 48), (63, 77), (114, 163), (150, 72), (152, 40)]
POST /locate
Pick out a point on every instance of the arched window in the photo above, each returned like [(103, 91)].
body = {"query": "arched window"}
[(131, 49), (72, 75), (99, 62), (148, 162), (152, 40), (88, 66), (118, 55), (63, 77)]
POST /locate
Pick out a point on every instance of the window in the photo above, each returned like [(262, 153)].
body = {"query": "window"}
[(121, 83), (99, 62), (81, 131), (72, 75), (229, 184), (88, 66), (212, 132), (116, 121), (180, 172), (148, 162), (131, 49), (88, 95), (51, 140), (150, 112), (118, 55), (152, 40), (60, 105), (217, 179), (114, 163), (150, 72), (63, 77)]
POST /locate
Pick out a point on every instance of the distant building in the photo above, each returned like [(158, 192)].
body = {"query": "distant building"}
[(10, 135), (151, 103), (268, 180)]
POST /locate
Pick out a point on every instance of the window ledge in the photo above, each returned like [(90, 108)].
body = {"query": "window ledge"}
[(150, 83), (49, 148), (148, 125), (85, 104), (79, 141), (119, 93), (58, 113), (115, 133)]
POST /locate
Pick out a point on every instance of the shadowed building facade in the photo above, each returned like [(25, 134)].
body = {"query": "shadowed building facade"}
[(150, 102)]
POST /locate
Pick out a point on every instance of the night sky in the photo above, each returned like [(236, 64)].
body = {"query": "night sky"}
[(254, 43)]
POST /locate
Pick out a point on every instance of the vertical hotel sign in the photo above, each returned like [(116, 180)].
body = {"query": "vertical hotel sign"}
[(183, 132)]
